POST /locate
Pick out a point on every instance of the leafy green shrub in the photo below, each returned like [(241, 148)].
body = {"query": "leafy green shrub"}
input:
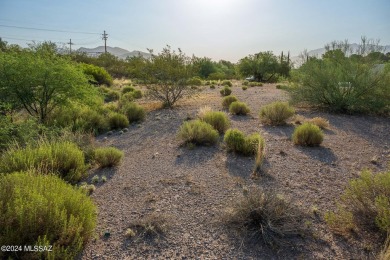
[(127, 89), (100, 75), (125, 99), (244, 87), (108, 156), (238, 108), (62, 158), (134, 112), (117, 120), (276, 113), (264, 216), (137, 94), (245, 83), (44, 210), (308, 134), (227, 83), (226, 101), (255, 84), (218, 120), (226, 91), (195, 81), (367, 201), (109, 94), (216, 76), (237, 142), (198, 132)]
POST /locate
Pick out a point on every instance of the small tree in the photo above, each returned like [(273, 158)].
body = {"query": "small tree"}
[(166, 76), (39, 81)]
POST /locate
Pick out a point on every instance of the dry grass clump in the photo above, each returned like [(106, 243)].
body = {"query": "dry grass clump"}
[(276, 113), (320, 122), (198, 132), (203, 111), (264, 216), (260, 155), (150, 227), (308, 134)]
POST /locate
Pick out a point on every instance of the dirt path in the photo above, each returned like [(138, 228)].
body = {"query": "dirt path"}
[(193, 187)]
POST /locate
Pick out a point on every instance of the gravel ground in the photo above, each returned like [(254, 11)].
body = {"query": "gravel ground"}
[(193, 187)]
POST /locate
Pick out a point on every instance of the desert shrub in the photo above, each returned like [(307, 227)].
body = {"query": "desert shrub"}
[(320, 122), (125, 99), (127, 89), (195, 81), (226, 101), (255, 84), (260, 156), (117, 120), (212, 87), (308, 134), (366, 201), (62, 158), (112, 106), (276, 113), (198, 132), (237, 142), (227, 83), (218, 120), (137, 94), (99, 75), (207, 83), (244, 87), (264, 216), (226, 91), (203, 111), (44, 210), (109, 94), (245, 83), (134, 112), (216, 76), (284, 87), (238, 108), (152, 226), (108, 156)]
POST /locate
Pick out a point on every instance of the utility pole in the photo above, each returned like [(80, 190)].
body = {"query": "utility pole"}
[(70, 46), (104, 37)]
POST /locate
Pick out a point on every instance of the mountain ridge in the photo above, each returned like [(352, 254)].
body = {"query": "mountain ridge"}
[(116, 51)]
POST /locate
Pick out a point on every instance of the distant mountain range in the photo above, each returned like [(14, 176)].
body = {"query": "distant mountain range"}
[(116, 51)]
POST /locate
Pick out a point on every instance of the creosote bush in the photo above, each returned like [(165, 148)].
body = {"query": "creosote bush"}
[(117, 120), (226, 91), (108, 156), (134, 112), (238, 108), (137, 94), (198, 132), (62, 158), (44, 210), (366, 201), (276, 113), (226, 101), (264, 216), (308, 134), (218, 120), (237, 142)]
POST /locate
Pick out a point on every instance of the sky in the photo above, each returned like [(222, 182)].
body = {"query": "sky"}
[(219, 29)]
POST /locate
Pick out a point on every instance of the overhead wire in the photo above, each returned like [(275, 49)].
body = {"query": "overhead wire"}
[(42, 29)]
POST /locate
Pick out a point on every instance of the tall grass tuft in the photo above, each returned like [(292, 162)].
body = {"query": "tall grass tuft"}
[(108, 156), (276, 113)]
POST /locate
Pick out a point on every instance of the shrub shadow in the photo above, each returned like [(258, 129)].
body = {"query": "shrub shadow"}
[(322, 154), (282, 130), (195, 156)]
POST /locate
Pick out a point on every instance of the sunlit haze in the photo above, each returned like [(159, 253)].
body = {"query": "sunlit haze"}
[(219, 29)]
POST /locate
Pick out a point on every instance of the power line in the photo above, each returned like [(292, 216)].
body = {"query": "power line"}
[(41, 29)]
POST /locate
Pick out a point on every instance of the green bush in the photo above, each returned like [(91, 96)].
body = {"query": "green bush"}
[(245, 83), (198, 132), (226, 91), (218, 120), (264, 216), (42, 211), (367, 201), (237, 142), (239, 108), (134, 112), (195, 81), (117, 121), (226, 101), (276, 113), (244, 87), (216, 76), (255, 84), (137, 94), (100, 75), (127, 89), (227, 83), (108, 156), (125, 99), (308, 134), (109, 94), (62, 158)]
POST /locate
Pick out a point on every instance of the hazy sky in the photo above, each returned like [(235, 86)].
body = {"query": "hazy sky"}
[(220, 29)]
